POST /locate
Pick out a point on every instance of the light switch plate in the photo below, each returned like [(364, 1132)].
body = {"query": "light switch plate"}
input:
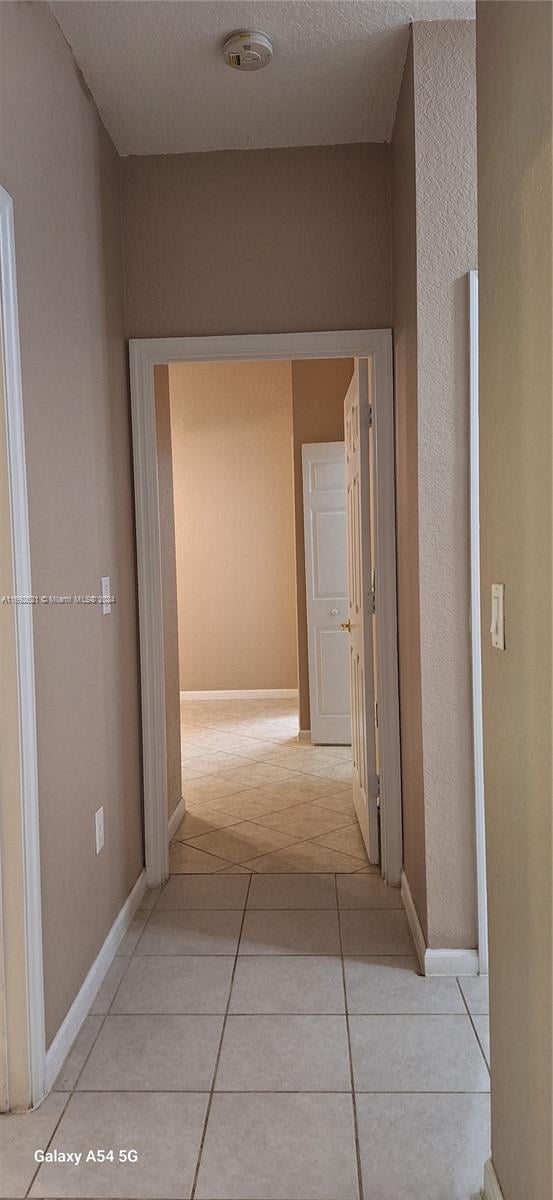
[(106, 595), (99, 829), (497, 628)]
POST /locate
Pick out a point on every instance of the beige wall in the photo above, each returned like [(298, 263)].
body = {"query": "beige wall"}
[(63, 174), (169, 586), (318, 390), (234, 518), (435, 210), (257, 241), (514, 174)]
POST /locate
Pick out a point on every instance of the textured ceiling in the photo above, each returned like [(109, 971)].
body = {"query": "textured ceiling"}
[(157, 74)]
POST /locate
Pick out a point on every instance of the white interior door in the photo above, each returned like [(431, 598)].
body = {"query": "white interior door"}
[(324, 507), (358, 627)]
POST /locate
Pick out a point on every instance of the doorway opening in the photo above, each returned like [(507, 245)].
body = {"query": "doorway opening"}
[(261, 596), (376, 590)]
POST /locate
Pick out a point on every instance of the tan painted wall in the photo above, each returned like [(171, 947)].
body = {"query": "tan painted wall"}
[(169, 586), (435, 211), (318, 390), (63, 174), (404, 201), (234, 518), (445, 99), (514, 170), (257, 241)]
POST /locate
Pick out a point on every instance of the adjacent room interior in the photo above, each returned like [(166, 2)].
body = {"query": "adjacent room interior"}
[(239, 446)]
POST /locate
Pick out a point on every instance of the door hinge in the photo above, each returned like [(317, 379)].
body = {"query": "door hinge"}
[(371, 416), (372, 594), (375, 788), (376, 714)]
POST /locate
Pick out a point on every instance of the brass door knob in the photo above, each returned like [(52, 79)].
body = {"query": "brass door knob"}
[(346, 626)]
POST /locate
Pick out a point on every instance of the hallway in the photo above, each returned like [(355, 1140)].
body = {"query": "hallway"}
[(265, 1035)]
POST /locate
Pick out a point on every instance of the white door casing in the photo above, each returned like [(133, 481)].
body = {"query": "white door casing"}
[(145, 353), (357, 413), (23, 1053), (324, 511)]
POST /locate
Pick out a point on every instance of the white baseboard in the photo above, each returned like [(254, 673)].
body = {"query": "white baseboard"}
[(435, 962), (68, 1030), (491, 1189), (255, 694), (176, 818), (451, 962), (304, 735)]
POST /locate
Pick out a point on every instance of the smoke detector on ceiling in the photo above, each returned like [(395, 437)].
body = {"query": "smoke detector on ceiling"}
[(248, 50)]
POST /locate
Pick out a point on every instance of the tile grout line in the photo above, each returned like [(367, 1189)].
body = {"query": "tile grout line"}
[(350, 1059), (220, 1047), (473, 1026)]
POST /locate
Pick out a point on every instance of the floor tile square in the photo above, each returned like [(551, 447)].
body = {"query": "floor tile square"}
[(108, 988), (252, 803), (482, 1026), (290, 932), (187, 860), (281, 984), (130, 938), (348, 840), (191, 931), (341, 773), (20, 1135), (209, 787), (149, 899), (475, 989), (284, 1054), (369, 932), (165, 1130), (204, 819), (311, 787), (394, 986), (241, 842), (341, 802), (256, 773), (214, 761), (78, 1053), (366, 891), (153, 1053), (304, 821), (171, 984), (279, 1147), (423, 1147), (292, 891), (303, 858), (209, 892), (416, 1054)]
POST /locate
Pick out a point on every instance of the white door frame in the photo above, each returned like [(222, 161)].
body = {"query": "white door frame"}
[(476, 630), (24, 1049), (145, 354)]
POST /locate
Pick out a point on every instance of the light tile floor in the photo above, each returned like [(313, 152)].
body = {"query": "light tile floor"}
[(264, 1035), (257, 799)]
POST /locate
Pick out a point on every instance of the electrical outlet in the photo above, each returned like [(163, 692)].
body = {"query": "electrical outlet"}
[(99, 824)]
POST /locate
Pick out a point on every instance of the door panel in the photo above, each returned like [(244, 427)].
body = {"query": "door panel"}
[(324, 501), (360, 606)]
